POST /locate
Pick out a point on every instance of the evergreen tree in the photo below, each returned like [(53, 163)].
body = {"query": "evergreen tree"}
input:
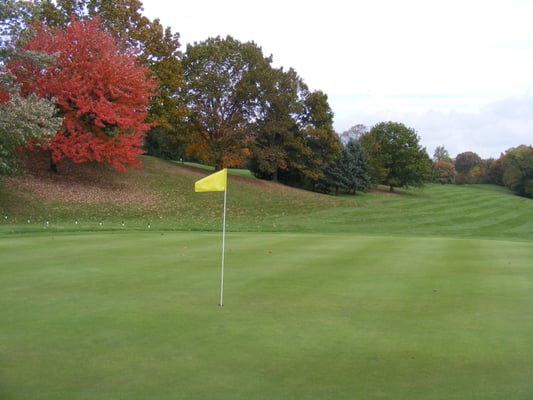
[(358, 167), (351, 170)]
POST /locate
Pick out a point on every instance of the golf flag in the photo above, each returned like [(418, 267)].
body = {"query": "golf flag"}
[(212, 183), (217, 182)]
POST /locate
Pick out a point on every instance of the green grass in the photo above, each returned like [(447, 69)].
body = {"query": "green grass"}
[(231, 171), (307, 316), (424, 294)]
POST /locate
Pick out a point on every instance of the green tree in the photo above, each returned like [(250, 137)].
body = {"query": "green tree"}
[(397, 156), (15, 16), (23, 120), (372, 145), (495, 171), (321, 145), (294, 136), (358, 167), (441, 154), (518, 170), (479, 174), (351, 171), (276, 129), (223, 91), (468, 166), (334, 176)]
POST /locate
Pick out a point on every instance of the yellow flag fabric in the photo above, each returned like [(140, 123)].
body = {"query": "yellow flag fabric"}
[(212, 183)]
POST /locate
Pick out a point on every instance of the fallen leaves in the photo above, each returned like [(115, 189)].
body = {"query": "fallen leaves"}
[(87, 183)]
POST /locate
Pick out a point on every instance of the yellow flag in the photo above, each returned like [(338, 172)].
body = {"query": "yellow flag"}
[(212, 183)]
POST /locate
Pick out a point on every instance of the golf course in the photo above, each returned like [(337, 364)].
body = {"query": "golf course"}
[(110, 289)]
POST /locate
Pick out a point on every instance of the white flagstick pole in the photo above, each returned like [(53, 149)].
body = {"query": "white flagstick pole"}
[(223, 251)]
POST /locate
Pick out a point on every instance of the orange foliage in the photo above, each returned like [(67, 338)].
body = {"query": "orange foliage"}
[(202, 148), (237, 158), (199, 151), (102, 93)]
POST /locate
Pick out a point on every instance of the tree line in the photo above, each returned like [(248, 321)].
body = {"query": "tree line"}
[(95, 80), (513, 169)]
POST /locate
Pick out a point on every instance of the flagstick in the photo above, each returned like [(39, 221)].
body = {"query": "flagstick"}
[(223, 251)]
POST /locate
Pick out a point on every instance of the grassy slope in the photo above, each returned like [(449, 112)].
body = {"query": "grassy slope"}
[(162, 194)]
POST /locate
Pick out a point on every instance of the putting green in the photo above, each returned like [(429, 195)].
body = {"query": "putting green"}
[(307, 316)]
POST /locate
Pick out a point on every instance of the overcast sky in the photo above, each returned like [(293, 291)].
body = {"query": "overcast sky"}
[(459, 72)]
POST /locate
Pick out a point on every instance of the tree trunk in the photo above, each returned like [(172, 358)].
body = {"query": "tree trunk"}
[(275, 175), (53, 165), (391, 189)]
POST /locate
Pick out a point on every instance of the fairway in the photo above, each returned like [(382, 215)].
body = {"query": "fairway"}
[(134, 315)]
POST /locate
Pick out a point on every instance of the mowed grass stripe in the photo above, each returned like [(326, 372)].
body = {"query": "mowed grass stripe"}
[(431, 211), (308, 316)]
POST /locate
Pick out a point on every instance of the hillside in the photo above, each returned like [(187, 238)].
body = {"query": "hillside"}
[(161, 196), (161, 193)]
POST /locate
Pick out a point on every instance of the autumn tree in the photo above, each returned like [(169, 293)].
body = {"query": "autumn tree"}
[(443, 168), (397, 155), (222, 89), (14, 19), (156, 47), (100, 90), (443, 172)]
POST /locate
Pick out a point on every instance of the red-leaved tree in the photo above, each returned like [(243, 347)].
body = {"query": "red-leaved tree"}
[(99, 89)]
